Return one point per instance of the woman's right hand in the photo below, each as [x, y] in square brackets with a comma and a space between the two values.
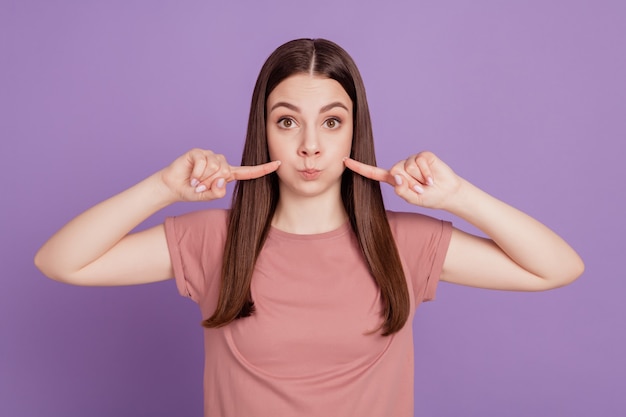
[201, 175]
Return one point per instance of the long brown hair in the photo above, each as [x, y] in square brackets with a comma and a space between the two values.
[254, 201]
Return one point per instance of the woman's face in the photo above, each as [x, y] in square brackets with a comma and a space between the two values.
[309, 129]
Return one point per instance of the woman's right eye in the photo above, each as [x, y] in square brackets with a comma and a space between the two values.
[286, 123]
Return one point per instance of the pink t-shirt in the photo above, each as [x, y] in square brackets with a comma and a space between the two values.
[308, 349]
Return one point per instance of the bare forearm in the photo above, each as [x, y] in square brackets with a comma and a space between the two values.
[97, 230]
[525, 240]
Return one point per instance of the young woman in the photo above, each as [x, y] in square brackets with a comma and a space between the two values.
[307, 285]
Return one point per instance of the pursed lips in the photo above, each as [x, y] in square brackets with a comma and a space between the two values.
[310, 174]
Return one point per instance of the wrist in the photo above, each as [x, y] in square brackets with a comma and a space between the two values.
[463, 200]
[160, 193]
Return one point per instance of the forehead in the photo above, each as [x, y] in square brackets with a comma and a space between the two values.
[307, 89]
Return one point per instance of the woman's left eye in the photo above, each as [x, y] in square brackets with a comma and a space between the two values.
[332, 123]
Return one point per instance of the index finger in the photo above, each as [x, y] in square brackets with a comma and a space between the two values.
[369, 171]
[254, 171]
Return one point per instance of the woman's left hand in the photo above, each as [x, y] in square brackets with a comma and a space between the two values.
[422, 179]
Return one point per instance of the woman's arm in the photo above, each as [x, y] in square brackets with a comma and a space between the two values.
[521, 253]
[96, 247]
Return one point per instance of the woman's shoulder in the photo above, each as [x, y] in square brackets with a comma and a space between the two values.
[199, 221]
[211, 215]
[403, 218]
[412, 228]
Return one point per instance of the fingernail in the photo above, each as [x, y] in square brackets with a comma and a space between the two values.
[398, 179]
[200, 188]
[220, 183]
[194, 182]
[430, 181]
[418, 189]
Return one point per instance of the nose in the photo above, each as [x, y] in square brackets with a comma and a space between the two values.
[310, 144]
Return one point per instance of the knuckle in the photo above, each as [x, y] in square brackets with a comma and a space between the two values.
[225, 172]
[198, 153]
[414, 171]
[212, 165]
[198, 166]
[398, 166]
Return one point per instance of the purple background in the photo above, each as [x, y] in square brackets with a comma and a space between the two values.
[526, 99]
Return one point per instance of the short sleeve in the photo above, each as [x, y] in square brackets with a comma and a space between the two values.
[423, 243]
[196, 246]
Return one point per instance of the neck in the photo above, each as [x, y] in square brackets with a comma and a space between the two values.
[307, 216]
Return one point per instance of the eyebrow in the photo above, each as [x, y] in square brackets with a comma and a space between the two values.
[297, 109]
